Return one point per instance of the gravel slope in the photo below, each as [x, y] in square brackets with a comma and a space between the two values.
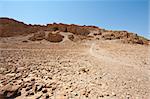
[68, 70]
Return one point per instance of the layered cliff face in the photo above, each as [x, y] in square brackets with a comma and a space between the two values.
[11, 27]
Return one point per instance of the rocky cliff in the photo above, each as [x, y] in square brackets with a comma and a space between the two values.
[10, 27]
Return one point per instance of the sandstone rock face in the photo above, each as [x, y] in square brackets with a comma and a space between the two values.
[79, 30]
[108, 36]
[115, 35]
[125, 36]
[54, 37]
[38, 36]
[120, 34]
[82, 31]
[72, 28]
[11, 27]
[60, 27]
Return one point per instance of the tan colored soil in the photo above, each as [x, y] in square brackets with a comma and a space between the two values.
[95, 69]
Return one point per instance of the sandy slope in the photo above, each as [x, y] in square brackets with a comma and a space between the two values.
[81, 70]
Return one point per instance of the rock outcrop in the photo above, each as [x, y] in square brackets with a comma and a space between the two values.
[11, 27]
[54, 37]
[71, 37]
[76, 29]
[125, 36]
[38, 36]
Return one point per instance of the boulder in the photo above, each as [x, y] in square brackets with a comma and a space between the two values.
[54, 37]
[38, 87]
[71, 37]
[44, 90]
[37, 36]
[10, 91]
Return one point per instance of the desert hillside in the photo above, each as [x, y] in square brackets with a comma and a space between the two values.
[68, 61]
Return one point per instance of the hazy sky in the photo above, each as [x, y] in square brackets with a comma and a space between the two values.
[131, 15]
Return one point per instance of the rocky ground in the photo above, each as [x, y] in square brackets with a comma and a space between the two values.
[68, 61]
[92, 69]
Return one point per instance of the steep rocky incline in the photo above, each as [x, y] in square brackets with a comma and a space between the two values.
[11, 27]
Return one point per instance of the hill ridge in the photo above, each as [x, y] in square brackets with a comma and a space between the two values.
[10, 27]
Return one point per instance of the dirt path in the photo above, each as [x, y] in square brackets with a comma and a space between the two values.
[104, 55]
[94, 70]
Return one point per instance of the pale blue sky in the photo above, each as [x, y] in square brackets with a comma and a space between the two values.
[130, 15]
